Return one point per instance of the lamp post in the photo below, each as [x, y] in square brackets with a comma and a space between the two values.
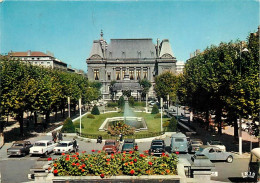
[69, 106]
[240, 140]
[80, 116]
[177, 105]
[161, 112]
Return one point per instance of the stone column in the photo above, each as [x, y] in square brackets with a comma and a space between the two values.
[135, 73]
[121, 73]
[141, 73]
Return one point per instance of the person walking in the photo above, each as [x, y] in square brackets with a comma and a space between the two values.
[54, 136]
[60, 138]
[75, 145]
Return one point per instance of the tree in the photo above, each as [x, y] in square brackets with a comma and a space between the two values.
[68, 126]
[112, 90]
[166, 83]
[146, 85]
[121, 102]
[131, 101]
[155, 109]
[95, 110]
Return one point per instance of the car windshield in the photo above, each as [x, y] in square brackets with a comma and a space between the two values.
[62, 145]
[128, 146]
[110, 143]
[39, 144]
[179, 140]
[18, 145]
[156, 146]
[216, 143]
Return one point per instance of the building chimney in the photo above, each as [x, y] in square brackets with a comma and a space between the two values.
[157, 46]
[29, 53]
[197, 51]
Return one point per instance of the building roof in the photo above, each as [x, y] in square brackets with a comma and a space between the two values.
[165, 49]
[131, 48]
[96, 51]
[28, 54]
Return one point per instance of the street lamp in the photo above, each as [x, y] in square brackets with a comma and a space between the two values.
[177, 105]
[240, 117]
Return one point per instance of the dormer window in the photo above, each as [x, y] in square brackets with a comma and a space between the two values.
[123, 54]
[110, 54]
[152, 54]
[139, 54]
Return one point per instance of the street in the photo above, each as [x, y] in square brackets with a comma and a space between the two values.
[16, 169]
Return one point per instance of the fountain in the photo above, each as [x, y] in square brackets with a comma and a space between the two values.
[129, 118]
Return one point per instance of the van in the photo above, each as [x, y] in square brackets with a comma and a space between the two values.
[179, 143]
[254, 165]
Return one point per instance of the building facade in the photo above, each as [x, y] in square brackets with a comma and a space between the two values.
[39, 59]
[127, 61]
[179, 67]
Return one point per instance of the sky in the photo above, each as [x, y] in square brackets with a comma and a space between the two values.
[68, 28]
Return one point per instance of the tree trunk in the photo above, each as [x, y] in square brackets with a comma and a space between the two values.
[56, 113]
[2, 139]
[20, 120]
[234, 120]
[218, 120]
[207, 119]
[47, 120]
[35, 118]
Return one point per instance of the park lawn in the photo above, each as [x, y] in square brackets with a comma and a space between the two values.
[91, 126]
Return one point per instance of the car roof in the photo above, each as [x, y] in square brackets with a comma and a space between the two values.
[129, 140]
[178, 135]
[110, 140]
[158, 140]
[21, 142]
[256, 152]
[43, 141]
[65, 141]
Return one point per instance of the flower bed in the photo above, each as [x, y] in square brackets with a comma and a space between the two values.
[118, 127]
[102, 164]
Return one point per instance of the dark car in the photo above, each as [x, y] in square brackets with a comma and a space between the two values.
[129, 145]
[20, 148]
[111, 146]
[194, 145]
[157, 147]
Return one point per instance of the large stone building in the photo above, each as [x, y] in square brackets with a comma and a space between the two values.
[127, 61]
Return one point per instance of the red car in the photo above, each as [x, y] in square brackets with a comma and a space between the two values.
[111, 146]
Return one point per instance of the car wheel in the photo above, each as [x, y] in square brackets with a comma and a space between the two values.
[46, 153]
[230, 159]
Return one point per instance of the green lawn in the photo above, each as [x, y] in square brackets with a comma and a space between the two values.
[91, 126]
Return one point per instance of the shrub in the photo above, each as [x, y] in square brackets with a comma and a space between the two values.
[158, 115]
[95, 110]
[112, 104]
[155, 109]
[142, 104]
[68, 126]
[91, 116]
[121, 102]
[131, 101]
[173, 124]
[77, 125]
[118, 127]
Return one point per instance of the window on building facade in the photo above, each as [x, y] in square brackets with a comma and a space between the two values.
[35, 62]
[139, 54]
[32, 58]
[138, 74]
[123, 73]
[110, 54]
[152, 54]
[38, 58]
[48, 63]
[145, 74]
[118, 75]
[109, 76]
[131, 73]
[41, 62]
[96, 74]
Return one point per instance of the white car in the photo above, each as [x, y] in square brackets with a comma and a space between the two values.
[42, 147]
[217, 143]
[63, 147]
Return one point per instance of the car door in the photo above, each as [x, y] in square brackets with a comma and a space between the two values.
[28, 145]
[211, 154]
[219, 154]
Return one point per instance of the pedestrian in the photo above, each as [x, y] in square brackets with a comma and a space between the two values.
[54, 136]
[75, 145]
[121, 137]
[60, 136]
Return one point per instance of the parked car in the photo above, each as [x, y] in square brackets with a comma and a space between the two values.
[157, 147]
[194, 145]
[111, 146]
[42, 147]
[179, 143]
[129, 145]
[215, 153]
[20, 148]
[217, 143]
[63, 147]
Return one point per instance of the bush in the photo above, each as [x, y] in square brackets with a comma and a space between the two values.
[121, 102]
[95, 110]
[155, 109]
[77, 125]
[131, 101]
[142, 104]
[112, 104]
[91, 116]
[68, 126]
[173, 124]
[158, 115]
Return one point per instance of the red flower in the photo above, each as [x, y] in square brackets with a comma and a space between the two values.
[83, 152]
[130, 152]
[177, 152]
[123, 159]
[131, 162]
[99, 152]
[112, 154]
[124, 152]
[163, 154]
[83, 170]
[102, 175]
[132, 172]
[49, 159]
[83, 165]
[62, 154]
[74, 156]
[77, 153]
[67, 159]
[108, 159]
[119, 152]
[93, 150]
[77, 164]
[124, 155]
[55, 165]
[73, 164]
[150, 163]
[55, 171]
[126, 164]
[135, 160]
[130, 157]
[141, 155]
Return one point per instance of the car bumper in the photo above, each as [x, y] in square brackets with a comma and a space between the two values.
[13, 153]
